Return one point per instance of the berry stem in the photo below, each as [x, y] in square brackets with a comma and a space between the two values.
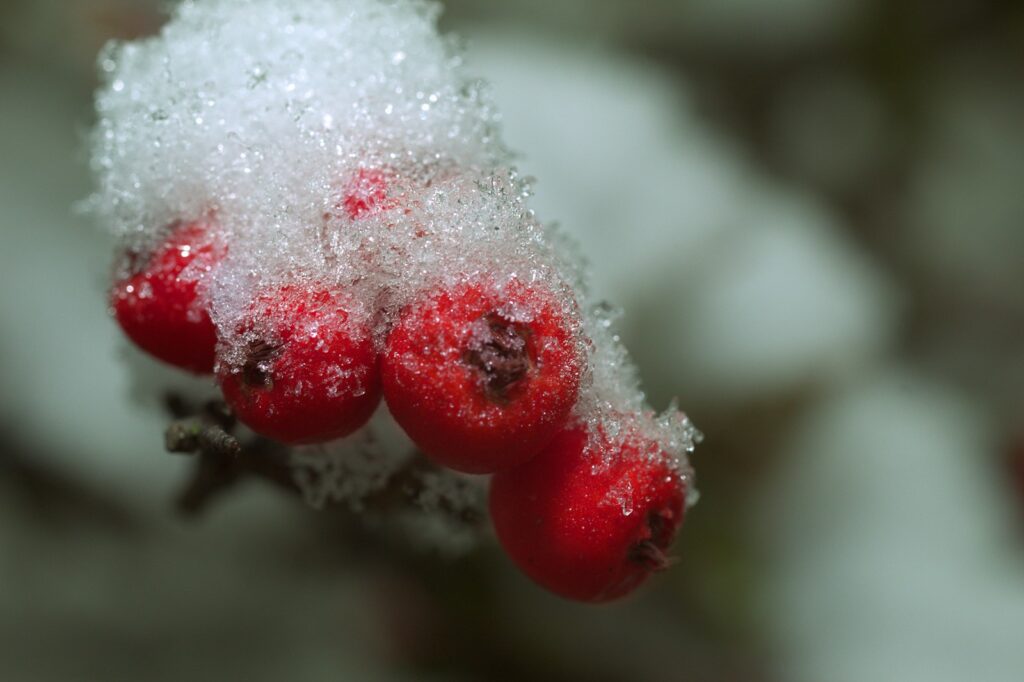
[222, 461]
[188, 436]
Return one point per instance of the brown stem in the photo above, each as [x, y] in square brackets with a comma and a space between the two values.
[222, 461]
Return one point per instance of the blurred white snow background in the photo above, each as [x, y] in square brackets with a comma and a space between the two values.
[889, 552]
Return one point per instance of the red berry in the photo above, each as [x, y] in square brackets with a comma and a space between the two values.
[309, 372]
[590, 517]
[160, 308]
[365, 191]
[482, 377]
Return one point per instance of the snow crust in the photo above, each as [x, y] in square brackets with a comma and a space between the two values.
[266, 118]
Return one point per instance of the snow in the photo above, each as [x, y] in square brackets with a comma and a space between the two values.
[262, 117]
[908, 553]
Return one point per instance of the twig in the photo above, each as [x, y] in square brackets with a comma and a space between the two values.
[222, 461]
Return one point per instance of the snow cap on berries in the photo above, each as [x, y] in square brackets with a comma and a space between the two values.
[260, 108]
[338, 143]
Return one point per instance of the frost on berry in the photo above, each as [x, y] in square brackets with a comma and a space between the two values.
[343, 149]
[483, 374]
[592, 517]
[301, 367]
[160, 299]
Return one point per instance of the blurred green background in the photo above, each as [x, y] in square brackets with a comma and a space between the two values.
[811, 212]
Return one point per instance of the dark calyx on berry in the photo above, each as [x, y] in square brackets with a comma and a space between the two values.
[259, 353]
[650, 552]
[499, 353]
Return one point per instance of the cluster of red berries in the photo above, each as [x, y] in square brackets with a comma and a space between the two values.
[482, 377]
